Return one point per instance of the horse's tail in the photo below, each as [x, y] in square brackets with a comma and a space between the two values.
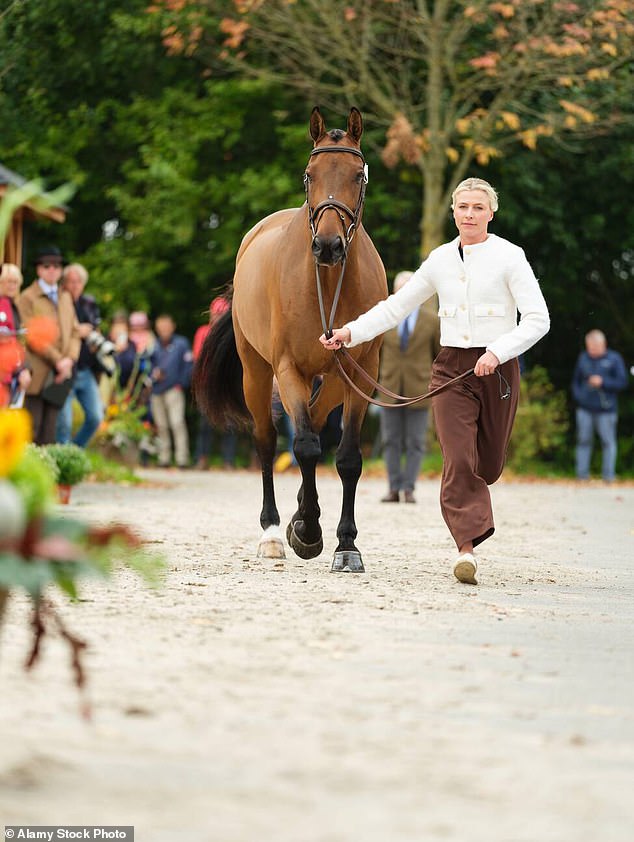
[217, 378]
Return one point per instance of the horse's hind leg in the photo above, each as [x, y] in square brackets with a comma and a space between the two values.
[258, 385]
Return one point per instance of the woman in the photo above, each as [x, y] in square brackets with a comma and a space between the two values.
[17, 377]
[482, 281]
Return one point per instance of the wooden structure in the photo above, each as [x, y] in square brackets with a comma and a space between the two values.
[14, 242]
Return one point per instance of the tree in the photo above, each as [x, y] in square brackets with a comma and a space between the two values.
[452, 82]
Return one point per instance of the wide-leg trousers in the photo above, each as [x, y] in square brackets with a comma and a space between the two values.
[474, 424]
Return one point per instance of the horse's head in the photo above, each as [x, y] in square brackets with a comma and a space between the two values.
[335, 180]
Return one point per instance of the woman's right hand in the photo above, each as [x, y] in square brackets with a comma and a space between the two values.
[340, 336]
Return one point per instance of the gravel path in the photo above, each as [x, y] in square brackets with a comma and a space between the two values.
[251, 700]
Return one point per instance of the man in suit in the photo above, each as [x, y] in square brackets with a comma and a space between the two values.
[406, 360]
[50, 361]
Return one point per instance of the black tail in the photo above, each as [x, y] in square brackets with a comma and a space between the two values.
[217, 378]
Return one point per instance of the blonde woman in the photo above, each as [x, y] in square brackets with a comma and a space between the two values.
[482, 282]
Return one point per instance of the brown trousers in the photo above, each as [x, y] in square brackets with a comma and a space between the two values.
[474, 426]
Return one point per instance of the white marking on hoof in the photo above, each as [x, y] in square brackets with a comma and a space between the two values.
[271, 544]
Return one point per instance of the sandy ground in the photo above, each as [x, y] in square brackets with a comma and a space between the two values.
[252, 700]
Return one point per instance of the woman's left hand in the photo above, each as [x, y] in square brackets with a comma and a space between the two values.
[486, 364]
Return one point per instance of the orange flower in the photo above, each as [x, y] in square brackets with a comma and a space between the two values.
[41, 333]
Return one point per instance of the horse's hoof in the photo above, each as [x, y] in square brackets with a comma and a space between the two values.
[347, 561]
[300, 548]
[273, 548]
[271, 544]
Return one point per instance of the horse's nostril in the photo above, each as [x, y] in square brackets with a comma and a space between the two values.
[316, 246]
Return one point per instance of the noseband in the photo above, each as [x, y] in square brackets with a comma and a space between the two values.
[315, 214]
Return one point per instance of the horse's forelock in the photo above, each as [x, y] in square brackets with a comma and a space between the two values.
[336, 135]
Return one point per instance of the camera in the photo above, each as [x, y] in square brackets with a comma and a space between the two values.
[103, 349]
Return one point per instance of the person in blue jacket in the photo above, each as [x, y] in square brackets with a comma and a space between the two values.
[172, 362]
[599, 376]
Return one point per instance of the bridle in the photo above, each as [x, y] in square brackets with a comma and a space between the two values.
[314, 216]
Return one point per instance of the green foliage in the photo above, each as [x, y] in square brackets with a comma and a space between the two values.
[541, 423]
[105, 470]
[72, 463]
[34, 477]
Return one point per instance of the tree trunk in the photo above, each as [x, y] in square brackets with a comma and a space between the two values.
[434, 214]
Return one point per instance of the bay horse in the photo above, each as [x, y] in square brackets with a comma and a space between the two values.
[291, 268]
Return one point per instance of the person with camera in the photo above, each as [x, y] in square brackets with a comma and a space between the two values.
[95, 356]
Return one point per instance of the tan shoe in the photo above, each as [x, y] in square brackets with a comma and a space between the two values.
[465, 569]
[409, 497]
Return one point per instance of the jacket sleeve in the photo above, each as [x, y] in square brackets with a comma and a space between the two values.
[186, 364]
[534, 320]
[616, 379]
[578, 381]
[392, 310]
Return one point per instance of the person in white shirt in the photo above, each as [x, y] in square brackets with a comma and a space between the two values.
[482, 281]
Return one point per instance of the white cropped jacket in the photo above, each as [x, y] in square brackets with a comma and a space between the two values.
[479, 298]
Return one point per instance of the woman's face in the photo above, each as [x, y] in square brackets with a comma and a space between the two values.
[10, 285]
[472, 213]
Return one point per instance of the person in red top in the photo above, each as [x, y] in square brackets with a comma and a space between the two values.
[15, 376]
[204, 439]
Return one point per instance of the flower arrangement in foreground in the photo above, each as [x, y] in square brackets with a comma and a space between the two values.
[40, 548]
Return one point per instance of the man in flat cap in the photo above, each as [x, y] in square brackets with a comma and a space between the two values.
[52, 362]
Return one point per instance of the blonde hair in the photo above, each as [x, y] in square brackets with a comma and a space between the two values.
[79, 269]
[9, 271]
[477, 184]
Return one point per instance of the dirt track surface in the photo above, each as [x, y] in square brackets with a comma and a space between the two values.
[250, 700]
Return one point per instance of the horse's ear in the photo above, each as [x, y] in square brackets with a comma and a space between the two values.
[317, 125]
[355, 124]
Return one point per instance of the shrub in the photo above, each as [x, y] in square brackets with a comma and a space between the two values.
[541, 423]
[72, 463]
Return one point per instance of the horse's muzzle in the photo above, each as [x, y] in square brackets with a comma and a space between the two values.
[328, 251]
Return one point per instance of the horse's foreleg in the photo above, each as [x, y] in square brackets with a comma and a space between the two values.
[258, 381]
[304, 531]
[348, 459]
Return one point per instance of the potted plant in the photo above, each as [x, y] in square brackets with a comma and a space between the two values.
[40, 549]
[72, 466]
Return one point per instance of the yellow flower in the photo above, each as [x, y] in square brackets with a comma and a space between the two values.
[15, 434]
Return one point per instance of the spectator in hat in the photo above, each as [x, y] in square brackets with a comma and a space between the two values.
[140, 332]
[51, 362]
[205, 436]
[172, 362]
